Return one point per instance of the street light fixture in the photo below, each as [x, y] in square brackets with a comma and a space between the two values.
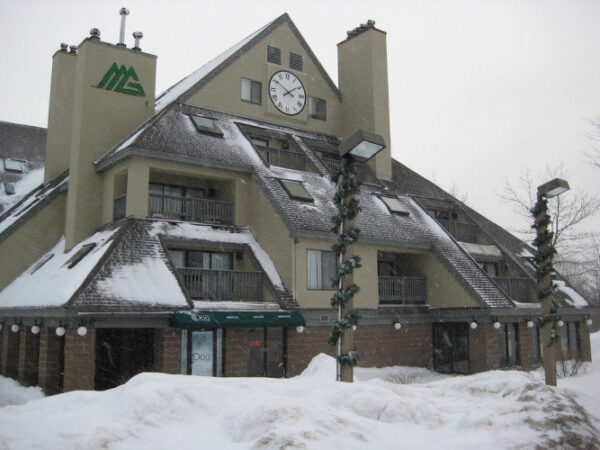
[361, 146]
[545, 254]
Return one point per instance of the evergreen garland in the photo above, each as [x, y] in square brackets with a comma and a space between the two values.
[544, 267]
[348, 208]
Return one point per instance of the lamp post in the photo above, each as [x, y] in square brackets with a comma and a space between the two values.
[361, 146]
[545, 254]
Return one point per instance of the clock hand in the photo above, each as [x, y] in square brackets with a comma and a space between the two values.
[286, 91]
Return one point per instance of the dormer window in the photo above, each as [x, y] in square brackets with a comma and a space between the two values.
[14, 165]
[296, 190]
[296, 62]
[395, 206]
[274, 55]
[206, 125]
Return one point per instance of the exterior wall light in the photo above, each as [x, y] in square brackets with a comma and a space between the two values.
[362, 145]
[497, 325]
[530, 324]
[397, 325]
[354, 327]
[60, 331]
[15, 328]
[35, 329]
[473, 325]
[82, 331]
[299, 329]
[588, 322]
[560, 323]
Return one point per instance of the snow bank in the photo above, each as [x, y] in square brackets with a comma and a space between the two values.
[12, 393]
[500, 409]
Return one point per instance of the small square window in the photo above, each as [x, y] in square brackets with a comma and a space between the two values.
[317, 108]
[296, 62]
[321, 269]
[395, 206]
[274, 55]
[79, 255]
[9, 188]
[206, 125]
[251, 91]
[14, 165]
[296, 190]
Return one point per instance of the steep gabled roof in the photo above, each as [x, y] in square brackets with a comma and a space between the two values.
[187, 87]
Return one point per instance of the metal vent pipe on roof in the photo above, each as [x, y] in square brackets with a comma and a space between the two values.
[137, 35]
[124, 13]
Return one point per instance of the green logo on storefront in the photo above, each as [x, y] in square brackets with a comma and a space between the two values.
[119, 79]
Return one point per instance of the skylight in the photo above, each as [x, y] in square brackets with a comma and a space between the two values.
[395, 206]
[79, 255]
[296, 190]
[14, 165]
[206, 125]
[41, 262]
[9, 188]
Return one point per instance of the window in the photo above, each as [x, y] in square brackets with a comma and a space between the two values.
[274, 55]
[202, 352]
[536, 347]
[251, 91]
[260, 141]
[508, 340]
[296, 190]
[9, 188]
[79, 255]
[569, 339]
[395, 206]
[206, 125]
[491, 268]
[321, 269]
[205, 274]
[296, 62]
[266, 352]
[317, 108]
[14, 165]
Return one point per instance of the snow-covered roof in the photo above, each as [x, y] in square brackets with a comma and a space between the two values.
[23, 186]
[50, 281]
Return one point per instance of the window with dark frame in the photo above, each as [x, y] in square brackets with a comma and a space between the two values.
[206, 125]
[274, 55]
[321, 269]
[394, 206]
[317, 108]
[296, 190]
[251, 91]
[508, 340]
[296, 62]
[14, 165]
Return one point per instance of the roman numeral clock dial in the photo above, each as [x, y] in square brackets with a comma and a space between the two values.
[287, 93]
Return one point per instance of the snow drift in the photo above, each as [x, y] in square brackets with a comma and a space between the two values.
[500, 409]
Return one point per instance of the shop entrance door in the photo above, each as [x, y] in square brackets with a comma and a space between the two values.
[266, 352]
[451, 347]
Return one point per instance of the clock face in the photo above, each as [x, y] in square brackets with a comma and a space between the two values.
[287, 93]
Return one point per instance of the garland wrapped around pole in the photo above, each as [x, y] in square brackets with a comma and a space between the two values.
[543, 258]
[347, 235]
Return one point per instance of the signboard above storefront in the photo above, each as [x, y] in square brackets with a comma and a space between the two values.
[224, 319]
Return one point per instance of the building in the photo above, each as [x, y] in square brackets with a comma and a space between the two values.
[190, 232]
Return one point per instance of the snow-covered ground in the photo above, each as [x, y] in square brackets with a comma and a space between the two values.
[386, 408]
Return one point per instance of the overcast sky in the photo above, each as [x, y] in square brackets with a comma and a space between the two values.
[479, 90]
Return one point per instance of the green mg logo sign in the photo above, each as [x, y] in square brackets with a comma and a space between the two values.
[120, 79]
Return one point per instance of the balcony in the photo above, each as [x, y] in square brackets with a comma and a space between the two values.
[519, 289]
[402, 291]
[282, 158]
[462, 232]
[210, 284]
[191, 209]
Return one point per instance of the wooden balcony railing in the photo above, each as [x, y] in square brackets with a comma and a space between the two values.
[402, 291]
[119, 207]
[462, 232]
[519, 289]
[210, 284]
[191, 209]
[283, 158]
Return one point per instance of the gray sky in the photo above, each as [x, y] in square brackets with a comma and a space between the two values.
[478, 89]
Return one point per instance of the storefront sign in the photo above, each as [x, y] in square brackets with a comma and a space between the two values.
[223, 319]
